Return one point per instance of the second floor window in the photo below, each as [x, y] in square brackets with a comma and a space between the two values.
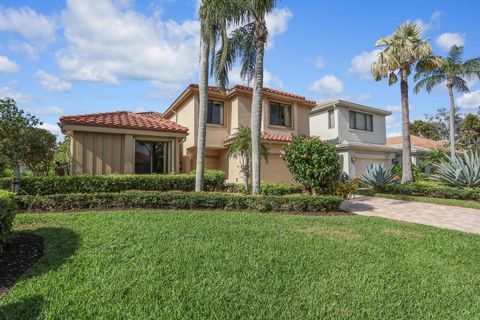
[331, 119]
[280, 114]
[215, 112]
[361, 121]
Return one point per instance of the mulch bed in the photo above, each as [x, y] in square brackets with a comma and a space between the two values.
[21, 252]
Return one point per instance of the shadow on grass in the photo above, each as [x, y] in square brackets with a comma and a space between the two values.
[29, 308]
[59, 244]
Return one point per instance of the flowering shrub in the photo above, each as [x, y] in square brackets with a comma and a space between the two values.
[313, 163]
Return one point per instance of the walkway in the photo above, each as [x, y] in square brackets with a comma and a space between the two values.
[455, 218]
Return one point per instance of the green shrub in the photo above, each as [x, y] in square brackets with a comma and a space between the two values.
[434, 189]
[214, 181]
[313, 163]
[378, 177]
[178, 200]
[460, 171]
[344, 189]
[7, 214]
[416, 171]
[274, 189]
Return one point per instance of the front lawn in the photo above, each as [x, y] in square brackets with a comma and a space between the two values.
[223, 265]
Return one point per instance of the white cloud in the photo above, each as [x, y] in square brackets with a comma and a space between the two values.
[434, 21]
[394, 134]
[50, 82]
[9, 92]
[392, 122]
[362, 63]
[53, 128]
[469, 100]
[395, 108]
[364, 96]
[7, 65]
[269, 80]
[28, 23]
[277, 23]
[446, 40]
[328, 85]
[319, 62]
[46, 111]
[106, 43]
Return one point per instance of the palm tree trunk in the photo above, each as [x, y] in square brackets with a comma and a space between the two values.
[452, 122]
[256, 118]
[406, 146]
[202, 114]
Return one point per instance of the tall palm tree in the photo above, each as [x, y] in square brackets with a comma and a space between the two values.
[215, 15]
[403, 51]
[241, 149]
[454, 72]
[248, 41]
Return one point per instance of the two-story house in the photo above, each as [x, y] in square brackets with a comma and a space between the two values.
[358, 131]
[283, 115]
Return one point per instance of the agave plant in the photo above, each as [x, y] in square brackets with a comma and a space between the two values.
[378, 177]
[460, 171]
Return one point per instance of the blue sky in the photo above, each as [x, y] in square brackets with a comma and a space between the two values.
[82, 56]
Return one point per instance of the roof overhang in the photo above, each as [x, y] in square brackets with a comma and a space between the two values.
[366, 147]
[326, 105]
[68, 128]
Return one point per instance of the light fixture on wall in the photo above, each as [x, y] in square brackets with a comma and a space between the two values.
[352, 159]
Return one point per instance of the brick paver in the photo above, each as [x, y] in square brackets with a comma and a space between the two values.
[449, 217]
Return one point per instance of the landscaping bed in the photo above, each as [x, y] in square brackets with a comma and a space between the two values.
[154, 264]
[22, 251]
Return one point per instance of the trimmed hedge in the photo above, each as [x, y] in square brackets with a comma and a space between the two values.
[178, 200]
[48, 185]
[268, 189]
[7, 214]
[434, 190]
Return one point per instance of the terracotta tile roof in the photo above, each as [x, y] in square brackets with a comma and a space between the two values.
[270, 137]
[418, 142]
[126, 120]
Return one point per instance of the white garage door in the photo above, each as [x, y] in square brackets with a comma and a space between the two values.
[361, 164]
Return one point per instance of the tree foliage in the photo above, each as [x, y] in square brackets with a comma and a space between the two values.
[40, 152]
[424, 129]
[241, 149]
[313, 163]
[62, 154]
[470, 131]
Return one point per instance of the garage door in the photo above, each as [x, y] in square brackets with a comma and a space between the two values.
[362, 164]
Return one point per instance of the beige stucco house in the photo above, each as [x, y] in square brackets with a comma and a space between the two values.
[149, 142]
[358, 131]
[284, 115]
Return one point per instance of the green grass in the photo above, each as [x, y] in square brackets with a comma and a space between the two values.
[448, 202]
[197, 265]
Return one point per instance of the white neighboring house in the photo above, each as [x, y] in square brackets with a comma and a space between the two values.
[358, 131]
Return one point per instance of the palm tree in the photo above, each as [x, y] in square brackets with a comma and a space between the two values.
[403, 51]
[248, 41]
[215, 15]
[241, 149]
[454, 72]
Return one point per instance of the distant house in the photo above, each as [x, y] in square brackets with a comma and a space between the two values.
[420, 146]
[358, 131]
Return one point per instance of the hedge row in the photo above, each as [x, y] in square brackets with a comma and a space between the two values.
[268, 189]
[7, 214]
[48, 185]
[178, 200]
[434, 190]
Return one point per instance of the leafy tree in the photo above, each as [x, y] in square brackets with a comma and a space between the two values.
[241, 149]
[62, 154]
[15, 126]
[40, 152]
[424, 129]
[470, 135]
[432, 159]
[454, 72]
[441, 121]
[404, 51]
[313, 163]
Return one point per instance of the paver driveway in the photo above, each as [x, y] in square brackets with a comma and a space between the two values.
[449, 217]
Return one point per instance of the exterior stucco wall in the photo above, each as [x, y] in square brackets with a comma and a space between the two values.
[319, 125]
[378, 136]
